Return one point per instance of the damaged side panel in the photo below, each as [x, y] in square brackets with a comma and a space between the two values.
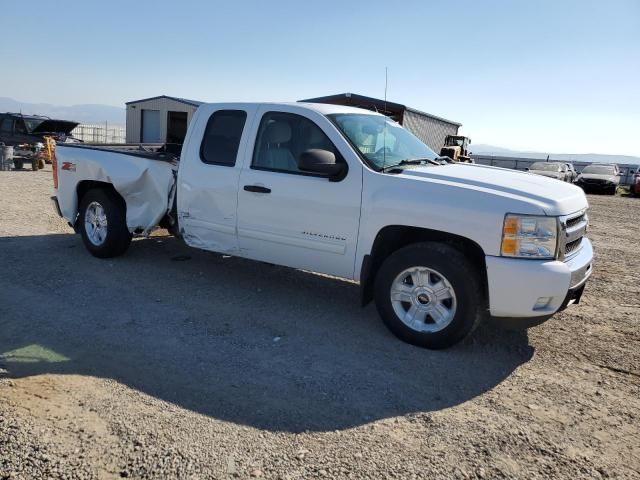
[146, 185]
[207, 216]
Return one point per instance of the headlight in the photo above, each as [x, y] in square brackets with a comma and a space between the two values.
[528, 236]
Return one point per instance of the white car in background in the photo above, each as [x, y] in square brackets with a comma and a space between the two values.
[556, 170]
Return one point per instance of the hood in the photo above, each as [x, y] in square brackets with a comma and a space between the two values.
[551, 196]
[55, 126]
[598, 176]
[547, 174]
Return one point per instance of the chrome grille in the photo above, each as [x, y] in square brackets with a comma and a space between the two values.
[571, 246]
[573, 229]
[574, 221]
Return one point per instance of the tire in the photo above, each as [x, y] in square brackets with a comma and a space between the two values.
[18, 164]
[41, 163]
[34, 164]
[444, 266]
[97, 207]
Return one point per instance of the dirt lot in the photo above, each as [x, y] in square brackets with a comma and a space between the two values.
[171, 362]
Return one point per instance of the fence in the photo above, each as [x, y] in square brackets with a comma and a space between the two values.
[518, 163]
[99, 133]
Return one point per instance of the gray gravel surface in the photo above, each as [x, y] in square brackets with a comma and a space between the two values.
[172, 362]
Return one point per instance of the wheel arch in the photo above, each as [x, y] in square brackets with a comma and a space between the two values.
[393, 237]
[85, 185]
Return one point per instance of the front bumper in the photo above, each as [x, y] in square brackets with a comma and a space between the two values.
[597, 187]
[536, 289]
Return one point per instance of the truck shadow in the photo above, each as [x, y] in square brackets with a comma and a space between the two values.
[240, 341]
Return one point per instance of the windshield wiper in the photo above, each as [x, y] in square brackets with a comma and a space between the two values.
[412, 161]
[440, 160]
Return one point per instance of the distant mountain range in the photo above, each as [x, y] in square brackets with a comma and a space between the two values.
[482, 149]
[89, 113]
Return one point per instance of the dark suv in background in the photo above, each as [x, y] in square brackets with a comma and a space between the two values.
[600, 177]
[26, 133]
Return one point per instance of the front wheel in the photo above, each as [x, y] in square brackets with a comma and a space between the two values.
[102, 222]
[429, 294]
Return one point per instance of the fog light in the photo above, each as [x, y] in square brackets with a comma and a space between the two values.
[542, 303]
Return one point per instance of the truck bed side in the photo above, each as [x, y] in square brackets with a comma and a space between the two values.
[145, 180]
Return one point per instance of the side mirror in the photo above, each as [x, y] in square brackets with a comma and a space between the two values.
[319, 161]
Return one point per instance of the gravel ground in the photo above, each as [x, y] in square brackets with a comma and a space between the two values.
[172, 362]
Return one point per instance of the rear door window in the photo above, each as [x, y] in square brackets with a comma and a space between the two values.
[19, 126]
[222, 136]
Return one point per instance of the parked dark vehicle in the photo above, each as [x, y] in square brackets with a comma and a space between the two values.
[599, 177]
[635, 184]
[26, 133]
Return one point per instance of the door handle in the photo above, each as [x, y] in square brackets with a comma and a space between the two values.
[257, 189]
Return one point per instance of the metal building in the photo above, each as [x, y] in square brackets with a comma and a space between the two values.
[430, 129]
[159, 119]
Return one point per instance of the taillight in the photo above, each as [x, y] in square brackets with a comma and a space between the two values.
[54, 169]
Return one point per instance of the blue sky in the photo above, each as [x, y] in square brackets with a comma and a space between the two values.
[549, 75]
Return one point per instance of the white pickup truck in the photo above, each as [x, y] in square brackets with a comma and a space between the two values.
[349, 193]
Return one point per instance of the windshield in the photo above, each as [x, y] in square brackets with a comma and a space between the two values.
[599, 169]
[545, 167]
[380, 140]
[32, 123]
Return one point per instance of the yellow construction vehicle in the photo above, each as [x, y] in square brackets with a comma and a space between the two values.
[456, 147]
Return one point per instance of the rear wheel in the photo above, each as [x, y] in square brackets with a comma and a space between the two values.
[429, 294]
[18, 164]
[102, 222]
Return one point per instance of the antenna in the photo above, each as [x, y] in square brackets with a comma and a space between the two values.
[386, 83]
[384, 135]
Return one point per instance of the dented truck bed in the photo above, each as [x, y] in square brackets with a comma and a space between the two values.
[143, 174]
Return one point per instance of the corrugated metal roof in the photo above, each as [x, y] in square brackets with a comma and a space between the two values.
[376, 101]
[435, 117]
[195, 103]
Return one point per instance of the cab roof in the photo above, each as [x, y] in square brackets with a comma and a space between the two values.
[322, 108]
